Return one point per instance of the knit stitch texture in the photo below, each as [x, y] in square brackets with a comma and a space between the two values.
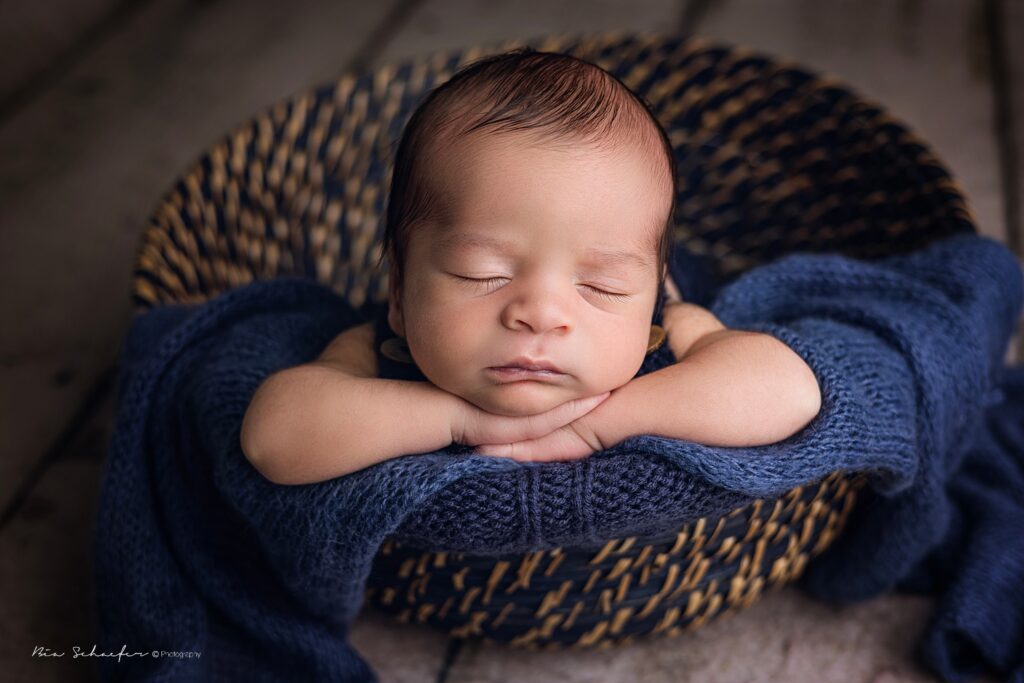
[195, 550]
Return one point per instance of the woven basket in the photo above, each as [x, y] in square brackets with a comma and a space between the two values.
[771, 158]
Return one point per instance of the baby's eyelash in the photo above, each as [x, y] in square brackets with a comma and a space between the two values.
[611, 296]
[482, 281]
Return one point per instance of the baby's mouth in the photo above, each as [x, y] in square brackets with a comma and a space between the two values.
[518, 373]
[531, 364]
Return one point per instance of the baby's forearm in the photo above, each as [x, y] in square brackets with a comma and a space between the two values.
[311, 423]
[741, 389]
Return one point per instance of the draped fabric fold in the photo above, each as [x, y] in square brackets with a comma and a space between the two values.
[197, 551]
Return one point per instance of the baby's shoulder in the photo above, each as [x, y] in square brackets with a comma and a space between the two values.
[352, 351]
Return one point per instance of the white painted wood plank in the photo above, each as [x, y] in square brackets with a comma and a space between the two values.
[86, 162]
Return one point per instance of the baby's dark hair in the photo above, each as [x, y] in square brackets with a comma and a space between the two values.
[553, 95]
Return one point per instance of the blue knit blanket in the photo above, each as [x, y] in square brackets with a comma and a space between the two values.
[195, 551]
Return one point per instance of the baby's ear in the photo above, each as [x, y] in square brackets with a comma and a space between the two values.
[671, 289]
[395, 319]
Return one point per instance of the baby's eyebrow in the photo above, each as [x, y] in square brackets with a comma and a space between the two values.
[618, 258]
[603, 257]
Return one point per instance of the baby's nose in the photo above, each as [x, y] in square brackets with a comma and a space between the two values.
[543, 312]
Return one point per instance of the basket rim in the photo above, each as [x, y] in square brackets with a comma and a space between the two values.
[352, 78]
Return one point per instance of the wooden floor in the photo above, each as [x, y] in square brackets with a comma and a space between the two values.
[103, 103]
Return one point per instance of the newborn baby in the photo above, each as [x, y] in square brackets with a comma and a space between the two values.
[528, 234]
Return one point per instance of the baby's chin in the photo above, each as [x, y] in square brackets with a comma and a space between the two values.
[517, 399]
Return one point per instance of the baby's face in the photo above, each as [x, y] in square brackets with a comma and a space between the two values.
[548, 255]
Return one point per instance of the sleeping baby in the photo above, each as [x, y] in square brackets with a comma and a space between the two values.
[528, 233]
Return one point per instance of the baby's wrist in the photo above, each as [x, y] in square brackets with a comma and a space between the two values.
[612, 421]
[456, 412]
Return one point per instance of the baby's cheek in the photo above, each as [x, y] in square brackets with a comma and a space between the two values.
[622, 357]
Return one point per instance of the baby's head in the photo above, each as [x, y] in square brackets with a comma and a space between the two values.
[529, 218]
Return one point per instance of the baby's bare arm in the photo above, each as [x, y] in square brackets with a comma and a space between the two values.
[728, 388]
[334, 416]
[328, 418]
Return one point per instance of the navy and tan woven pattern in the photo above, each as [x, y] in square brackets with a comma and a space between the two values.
[772, 160]
[627, 587]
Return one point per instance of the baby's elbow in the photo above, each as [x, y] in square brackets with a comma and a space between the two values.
[791, 417]
[261, 430]
[812, 403]
[804, 392]
[273, 474]
[806, 401]
[272, 456]
[811, 394]
[256, 451]
[797, 396]
[269, 465]
[814, 400]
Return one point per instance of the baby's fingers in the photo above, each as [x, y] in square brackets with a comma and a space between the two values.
[561, 415]
[559, 445]
[498, 450]
[482, 427]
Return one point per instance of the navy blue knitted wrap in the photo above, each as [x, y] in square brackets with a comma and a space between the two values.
[196, 551]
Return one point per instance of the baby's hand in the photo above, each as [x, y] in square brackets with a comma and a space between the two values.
[558, 434]
[573, 441]
[686, 324]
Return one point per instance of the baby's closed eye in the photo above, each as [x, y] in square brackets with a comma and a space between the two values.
[493, 283]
